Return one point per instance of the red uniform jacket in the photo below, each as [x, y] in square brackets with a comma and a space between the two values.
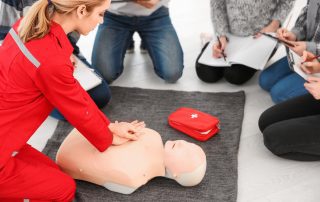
[31, 88]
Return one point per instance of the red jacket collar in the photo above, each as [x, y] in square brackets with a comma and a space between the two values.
[62, 38]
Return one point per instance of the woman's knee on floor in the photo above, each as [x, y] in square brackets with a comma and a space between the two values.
[238, 74]
[264, 80]
[274, 140]
[285, 90]
[170, 75]
[209, 74]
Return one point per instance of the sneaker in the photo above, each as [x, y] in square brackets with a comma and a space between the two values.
[130, 48]
[143, 48]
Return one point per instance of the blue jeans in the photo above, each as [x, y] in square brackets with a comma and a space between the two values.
[281, 81]
[101, 94]
[157, 33]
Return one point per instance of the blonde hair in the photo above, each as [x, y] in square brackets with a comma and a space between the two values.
[36, 23]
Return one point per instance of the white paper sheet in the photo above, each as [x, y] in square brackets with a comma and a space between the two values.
[248, 51]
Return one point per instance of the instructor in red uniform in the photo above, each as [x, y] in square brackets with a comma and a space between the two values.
[36, 75]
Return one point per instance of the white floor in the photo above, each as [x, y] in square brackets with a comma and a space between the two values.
[262, 176]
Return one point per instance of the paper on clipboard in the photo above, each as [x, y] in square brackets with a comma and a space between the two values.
[294, 61]
[85, 75]
[248, 51]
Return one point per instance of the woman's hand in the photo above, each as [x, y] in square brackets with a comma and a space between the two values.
[272, 27]
[299, 47]
[219, 47]
[147, 3]
[124, 131]
[309, 65]
[286, 35]
[313, 86]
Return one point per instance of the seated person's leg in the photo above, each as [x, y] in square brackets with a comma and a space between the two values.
[290, 129]
[111, 42]
[238, 74]
[163, 45]
[207, 73]
[296, 139]
[275, 72]
[288, 87]
[304, 105]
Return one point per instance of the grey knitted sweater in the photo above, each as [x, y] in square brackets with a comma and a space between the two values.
[307, 27]
[246, 17]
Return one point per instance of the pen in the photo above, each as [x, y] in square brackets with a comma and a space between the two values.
[224, 56]
[276, 38]
[310, 59]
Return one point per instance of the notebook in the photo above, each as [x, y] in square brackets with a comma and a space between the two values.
[248, 51]
[294, 61]
[85, 75]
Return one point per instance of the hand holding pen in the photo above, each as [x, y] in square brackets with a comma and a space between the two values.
[219, 47]
[286, 35]
[309, 63]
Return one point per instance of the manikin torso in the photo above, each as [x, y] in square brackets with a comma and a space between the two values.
[121, 168]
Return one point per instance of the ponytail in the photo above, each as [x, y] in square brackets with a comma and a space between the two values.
[36, 24]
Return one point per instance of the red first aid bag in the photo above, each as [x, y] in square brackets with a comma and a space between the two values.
[199, 125]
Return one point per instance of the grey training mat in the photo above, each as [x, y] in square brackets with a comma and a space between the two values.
[154, 106]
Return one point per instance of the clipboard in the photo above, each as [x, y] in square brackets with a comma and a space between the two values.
[286, 43]
[294, 61]
[86, 76]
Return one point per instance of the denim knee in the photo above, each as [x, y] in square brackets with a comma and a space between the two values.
[276, 95]
[264, 81]
[170, 71]
[171, 76]
[281, 92]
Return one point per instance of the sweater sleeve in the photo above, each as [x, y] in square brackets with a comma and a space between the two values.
[219, 17]
[282, 10]
[313, 47]
[300, 27]
[63, 91]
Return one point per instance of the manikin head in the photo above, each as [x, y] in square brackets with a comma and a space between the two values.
[185, 162]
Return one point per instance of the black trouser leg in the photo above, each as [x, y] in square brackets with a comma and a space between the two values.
[291, 129]
[209, 74]
[238, 74]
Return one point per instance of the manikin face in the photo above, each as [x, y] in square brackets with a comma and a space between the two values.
[90, 20]
[183, 157]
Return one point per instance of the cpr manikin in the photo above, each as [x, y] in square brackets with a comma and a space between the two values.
[126, 167]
